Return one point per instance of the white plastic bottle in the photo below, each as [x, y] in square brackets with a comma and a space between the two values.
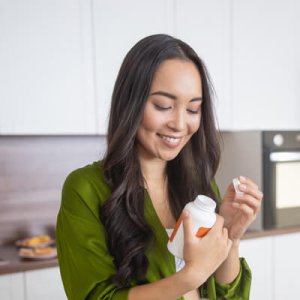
[203, 217]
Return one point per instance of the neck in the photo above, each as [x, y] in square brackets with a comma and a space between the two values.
[153, 170]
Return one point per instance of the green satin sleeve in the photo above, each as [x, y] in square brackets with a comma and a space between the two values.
[215, 188]
[84, 261]
[239, 289]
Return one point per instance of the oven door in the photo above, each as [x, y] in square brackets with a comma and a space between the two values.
[282, 187]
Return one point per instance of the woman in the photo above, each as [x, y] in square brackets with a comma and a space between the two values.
[162, 152]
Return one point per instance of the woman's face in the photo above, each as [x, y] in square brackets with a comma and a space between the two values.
[173, 110]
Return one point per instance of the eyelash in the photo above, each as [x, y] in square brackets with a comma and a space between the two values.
[161, 108]
[194, 112]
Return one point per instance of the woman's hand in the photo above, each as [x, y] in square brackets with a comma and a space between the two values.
[203, 256]
[240, 209]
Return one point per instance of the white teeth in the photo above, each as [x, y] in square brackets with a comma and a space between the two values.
[170, 140]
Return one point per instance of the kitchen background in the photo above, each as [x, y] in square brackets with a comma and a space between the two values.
[59, 59]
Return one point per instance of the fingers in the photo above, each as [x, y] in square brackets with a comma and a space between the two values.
[248, 182]
[223, 231]
[247, 206]
[248, 186]
[217, 234]
[217, 229]
[251, 195]
[219, 224]
[204, 255]
[249, 200]
[248, 211]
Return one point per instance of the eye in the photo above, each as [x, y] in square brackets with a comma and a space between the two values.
[161, 108]
[194, 111]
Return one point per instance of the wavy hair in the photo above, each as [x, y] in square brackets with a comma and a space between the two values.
[189, 174]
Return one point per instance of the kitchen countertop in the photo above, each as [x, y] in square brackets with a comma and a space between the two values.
[271, 232]
[13, 263]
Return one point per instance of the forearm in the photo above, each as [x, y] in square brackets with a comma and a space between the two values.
[169, 288]
[230, 268]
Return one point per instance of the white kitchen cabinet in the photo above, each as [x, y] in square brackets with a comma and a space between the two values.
[286, 266]
[206, 26]
[46, 69]
[59, 59]
[266, 64]
[118, 25]
[44, 284]
[12, 287]
[259, 255]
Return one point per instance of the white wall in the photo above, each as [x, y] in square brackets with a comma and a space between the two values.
[59, 59]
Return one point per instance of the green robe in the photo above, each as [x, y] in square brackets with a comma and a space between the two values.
[84, 260]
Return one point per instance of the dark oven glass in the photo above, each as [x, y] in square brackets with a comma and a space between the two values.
[281, 179]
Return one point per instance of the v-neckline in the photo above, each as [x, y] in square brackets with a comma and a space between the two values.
[154, 214]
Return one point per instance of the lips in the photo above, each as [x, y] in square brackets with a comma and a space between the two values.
[171, 140]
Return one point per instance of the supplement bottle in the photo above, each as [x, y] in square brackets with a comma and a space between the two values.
[203, 217]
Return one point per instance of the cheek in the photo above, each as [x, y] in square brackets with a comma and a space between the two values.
[194, 125]
[151, 121]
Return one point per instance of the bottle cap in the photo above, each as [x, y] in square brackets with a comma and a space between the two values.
[236, 183]
[205, 203]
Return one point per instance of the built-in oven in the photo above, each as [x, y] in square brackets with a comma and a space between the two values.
[272, 160]
[281, 178]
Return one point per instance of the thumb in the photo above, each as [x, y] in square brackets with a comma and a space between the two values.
[187, 226]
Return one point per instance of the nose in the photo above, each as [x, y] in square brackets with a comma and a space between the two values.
[177, 121]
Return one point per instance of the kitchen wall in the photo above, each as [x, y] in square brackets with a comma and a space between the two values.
[59, 59]
[58, 63]
[32, 172]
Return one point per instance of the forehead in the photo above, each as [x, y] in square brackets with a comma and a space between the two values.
[177, 75]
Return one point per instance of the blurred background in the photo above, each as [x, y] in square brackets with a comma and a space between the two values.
[59, 59]
[58, 63]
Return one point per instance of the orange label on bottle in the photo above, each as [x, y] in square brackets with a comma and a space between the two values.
[176, 227]
[202, 231]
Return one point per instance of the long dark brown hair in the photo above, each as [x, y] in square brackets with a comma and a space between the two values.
[189, 174]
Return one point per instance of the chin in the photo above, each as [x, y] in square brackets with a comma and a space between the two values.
[169, 157]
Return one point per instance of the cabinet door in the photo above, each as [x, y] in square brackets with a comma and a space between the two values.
[44, 284]
[12, 287]
[205, 25]
[286, 266]
[46, 67]
[259, 256]
[118, 25]
[266, 64]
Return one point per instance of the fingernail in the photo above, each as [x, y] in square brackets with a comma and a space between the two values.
[242, 178]
[242, 187]
[186, 213]
[240, 194]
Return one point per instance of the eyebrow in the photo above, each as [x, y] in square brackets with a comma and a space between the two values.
[173, 97]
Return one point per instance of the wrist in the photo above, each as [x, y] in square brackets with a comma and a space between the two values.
[234, 251]
[230, 267]
[235, 243]
[192, 277]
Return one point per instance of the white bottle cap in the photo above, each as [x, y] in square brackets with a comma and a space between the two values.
[205, 203]
[236, 183]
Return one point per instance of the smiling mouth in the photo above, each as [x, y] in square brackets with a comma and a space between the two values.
[171, 140]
